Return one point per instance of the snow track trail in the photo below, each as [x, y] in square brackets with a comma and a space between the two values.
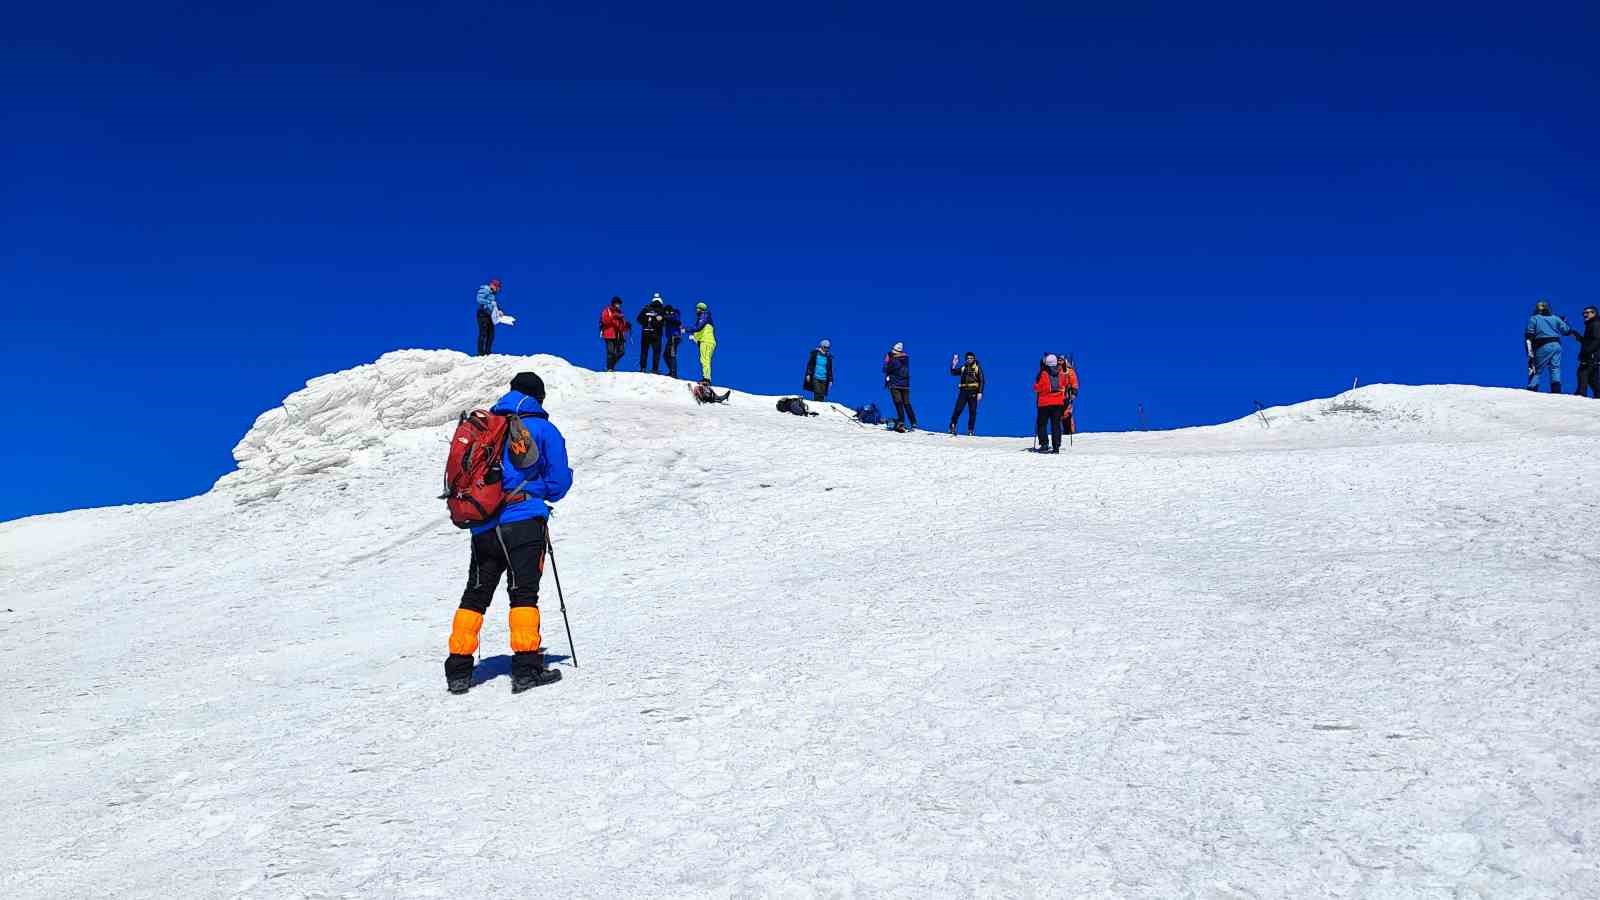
[1352, 652]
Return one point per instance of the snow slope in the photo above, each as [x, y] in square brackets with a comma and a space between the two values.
[1348, 652]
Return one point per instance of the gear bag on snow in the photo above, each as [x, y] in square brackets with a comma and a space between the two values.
[474, 489]
[868, 415]
[794, 405]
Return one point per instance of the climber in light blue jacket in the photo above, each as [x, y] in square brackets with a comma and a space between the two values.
[1543, 340]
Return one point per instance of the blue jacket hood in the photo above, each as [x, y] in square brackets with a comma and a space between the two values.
[519, 404]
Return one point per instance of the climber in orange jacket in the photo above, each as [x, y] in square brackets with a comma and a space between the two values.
[1055, 387]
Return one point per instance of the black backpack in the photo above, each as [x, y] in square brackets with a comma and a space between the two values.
[794, 405]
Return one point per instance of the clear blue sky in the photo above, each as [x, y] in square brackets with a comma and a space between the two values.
[1210, 204]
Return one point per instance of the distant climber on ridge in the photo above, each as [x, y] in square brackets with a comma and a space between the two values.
[1543, 340]
[652, 320]
[704, 333]
[532, 472]
[614, 331]
[1068, 425]
[1051, 388]
[488, 305]
[1589, 353]
[819, 371]
[969, 390]
[672, 330]
[897, 378]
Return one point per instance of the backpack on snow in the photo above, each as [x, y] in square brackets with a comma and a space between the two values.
[796, 406]
[474, 490]
[868, 415]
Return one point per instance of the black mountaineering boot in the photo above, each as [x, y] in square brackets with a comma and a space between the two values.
[458, 673]
[528, 671]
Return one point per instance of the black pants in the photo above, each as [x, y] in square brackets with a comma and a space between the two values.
[648, 342]
[969, 400]
[902, 406]
[672, 354]
[1049, 416]
[819, 392]
[517, 551]
[614, 350]
[1589, 378]
[485, 333]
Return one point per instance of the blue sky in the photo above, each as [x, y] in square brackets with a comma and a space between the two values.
[205, 207]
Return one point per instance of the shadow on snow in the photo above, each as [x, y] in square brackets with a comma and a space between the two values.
[491, 667]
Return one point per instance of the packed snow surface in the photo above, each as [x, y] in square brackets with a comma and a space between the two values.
[1348, 650]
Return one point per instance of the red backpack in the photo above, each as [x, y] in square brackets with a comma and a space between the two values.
[473, 488]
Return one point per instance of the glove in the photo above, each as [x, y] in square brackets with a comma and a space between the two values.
[980, 398]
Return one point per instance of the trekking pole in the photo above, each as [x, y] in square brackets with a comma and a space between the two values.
[554, 570]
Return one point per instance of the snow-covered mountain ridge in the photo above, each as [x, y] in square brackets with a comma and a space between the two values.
[335, 417]
[1347, 651]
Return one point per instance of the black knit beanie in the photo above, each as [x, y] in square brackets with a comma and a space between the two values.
[530, 384]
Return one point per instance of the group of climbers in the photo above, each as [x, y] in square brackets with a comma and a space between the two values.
[660, 325]
[1056, 388]
[661, 331]
[1542, 340]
